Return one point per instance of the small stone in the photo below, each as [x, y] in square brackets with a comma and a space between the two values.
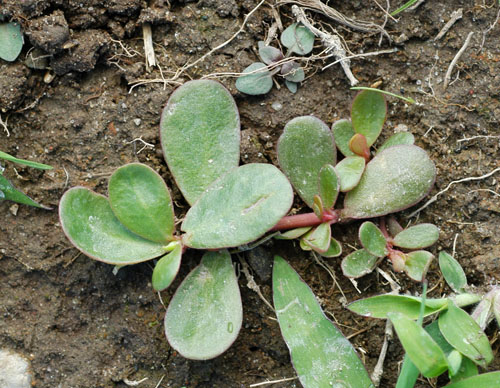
[15, 371]
[137, 121]
[401, 128]
[13, 209]
[277, 106]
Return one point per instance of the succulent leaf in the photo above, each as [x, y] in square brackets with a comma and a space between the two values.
[334, 250]
[260, 81]
[166, 269]
[417, 263]
[373, 239]
[328, 185]
[319, 237]
[417, 236]
[358, 263]
[269, 54]
[298, 39]
[452, 272]
[399, 138]
[293, 233]
[11, 41]
[368, 113]
[343, 133]
[359, 146]
[292, 86]
[349, 170]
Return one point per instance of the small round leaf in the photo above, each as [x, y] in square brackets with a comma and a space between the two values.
[319, 238]
[260, 81]
[334, 250]
[349, 171]
[11, 41]
[368, 113]
[298, 39]
[373, 239]
[269, 54]
[358, 263]
[416, 237]
[417, 263]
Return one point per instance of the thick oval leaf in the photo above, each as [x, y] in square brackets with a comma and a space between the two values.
[359, 146]
[373, 239]
[92, 227]
[200, 135]
[467, 369]
[10, 193]
[256, 79]
[334, 250]
[417, 263]
[238, 208]
[343, 133]
[292, 86]
[423, 351]
[319, 238]
[486, 380]
[292, 72]
[321, 355]
[465, 335]
[395, 179]
[379, 306]
[417, 237]
[293, 233]
[397, 139]
[452, 272]
[328, 186]
[140, 200]
[11, 41]
[368, 113]
[358, 263]
[298, 39]
[269, 54]
[349, 171]
[29, 163]
[166, 269]
[305, 146]
[204, 317]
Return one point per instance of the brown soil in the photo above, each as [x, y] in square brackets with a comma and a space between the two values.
[82, 326]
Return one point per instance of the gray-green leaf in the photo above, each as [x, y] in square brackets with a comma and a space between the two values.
[358, 263]
[373, 239]
[11, 41]
[343, 133]
[319, 238]
[349, 170]
[397, 139]
[298, 39]
[256, 79]
[368, 113]
[417, 263]
[204, 317]
[416, 237]
[452, 272]
[166, 269]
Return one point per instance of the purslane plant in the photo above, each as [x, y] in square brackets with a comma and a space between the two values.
[231, 206]
[11, 40]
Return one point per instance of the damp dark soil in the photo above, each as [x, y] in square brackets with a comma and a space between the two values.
[81, 325]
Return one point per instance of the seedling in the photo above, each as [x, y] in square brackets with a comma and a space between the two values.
[7, 189]
[11, 41]
[258, 77]
[379, 243]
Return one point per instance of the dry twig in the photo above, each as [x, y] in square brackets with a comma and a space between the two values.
[4, 125]
[455, 15]
[149, 52]
[447, 77]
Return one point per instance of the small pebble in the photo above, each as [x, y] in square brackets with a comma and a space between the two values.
[137, 122]
[13, 209]
[277, 106]
[14, 370]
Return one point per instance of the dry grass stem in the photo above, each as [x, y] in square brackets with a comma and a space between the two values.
[251, 282]
[478, 137]
[273, 382]
[447, 77]
[4, 126]
[149, 51]
[455, 15]
[379, 367]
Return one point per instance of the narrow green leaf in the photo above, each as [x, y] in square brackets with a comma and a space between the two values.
[328, 186]
[486, 380]
[467, 369]
[10, 193]
[321, 355]
[496, 307]
[452, 272]
[423, 351]
[92, 227]
[256, 79]
[417, 263]
[204, 316]
[292, 86]
[368, 113]
[318, 206]
[293, 233]
[334, 250]
[305, 146]
[465, 335]
[298, 39]
[358, 263]
[417, 237]
[373, 239]
[319, 238]
[395, 179]
[166, 269]
[397, 139]
[349, 171]
[269, 54]
[343, 133]
[379, 306]
[11, 41]
[141, 201]
[200, 135]
[29, 163]
[454, 362]
[408, 375]
[406, 99]
[435, 333]
[238, 208]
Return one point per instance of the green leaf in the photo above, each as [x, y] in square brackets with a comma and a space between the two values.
[293, 233]
[204, 316]
[358, 263]
[269, 54]
[328, 185]
[467, 369]
[92, 227]
[319, 238]
[292, 72]
[166, 268]
[452, 272]
[465, 335]
[238, 208]
[292, 86]
[29, 163]
[423, 351]
[359, 146]
[435, 333]
[349, 171]
[318, 206]
[200, 135]
[397, 139]
[298, 39]
[394, 180]
[10, 193]
[11, 41]
[417, 263]
[343, 133]
[379, 306]
[321, 355]
[305, 146]
[408, 375]
[256, 79]
[454, 362]
[416, 237]
[334, 250]
[496, 307]
[368, 113]
[485, 380]
[140, 200]
[373, 239]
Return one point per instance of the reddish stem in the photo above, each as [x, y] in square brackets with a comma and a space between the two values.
[306, 219]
